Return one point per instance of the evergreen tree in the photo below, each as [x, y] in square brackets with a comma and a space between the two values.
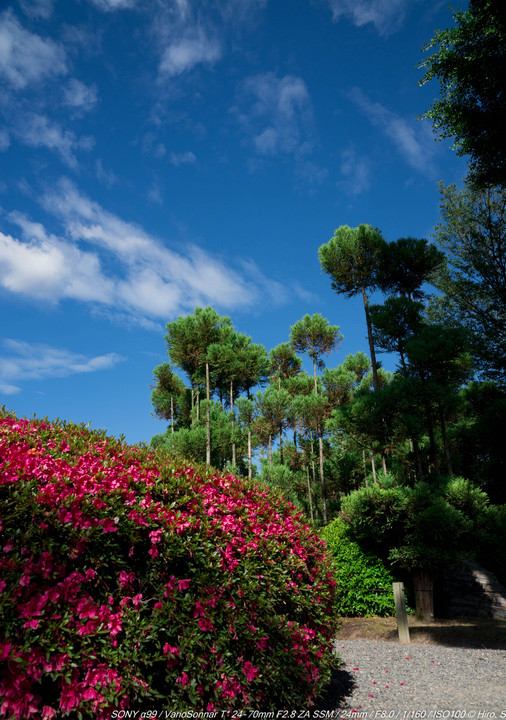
[352, 259]
[469, 62]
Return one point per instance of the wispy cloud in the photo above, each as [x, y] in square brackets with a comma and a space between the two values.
[37, 8]
[109, 5]
[387, 16]
[412, 141]
[148, 279]
[356, 172]
[25, 57]
[5, 140]
[184, 53]
[276, 113]
[185, 158]
[77, 95]
[35, 361]
[104, 176]
[36, 130]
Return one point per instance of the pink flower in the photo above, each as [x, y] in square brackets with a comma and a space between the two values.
[155, 536]
[169, 650]
[48, 713]
[183, 585]
[32, 624]
[136, 600]
[250, 671]
[183, 679]
[126, 578]
[198, 610]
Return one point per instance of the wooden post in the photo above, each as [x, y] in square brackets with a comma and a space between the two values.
[400, 612]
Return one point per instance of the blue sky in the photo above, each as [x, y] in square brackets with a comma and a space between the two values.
[158, 155]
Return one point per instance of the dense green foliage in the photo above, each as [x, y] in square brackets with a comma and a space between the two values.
[472, 234]
[469, 62]
[364, 584]
[133, 580]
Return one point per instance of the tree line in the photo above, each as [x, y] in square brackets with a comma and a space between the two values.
[414, 460]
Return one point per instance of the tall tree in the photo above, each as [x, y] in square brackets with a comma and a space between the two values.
[188, 339]
[183, 350]
[469, 62]
[406, 264]
[314, 336]
[352, 259]
[283, 363]
[246, 410]
[394, 322]
[274, 406]
[169, 387]
[472, 233]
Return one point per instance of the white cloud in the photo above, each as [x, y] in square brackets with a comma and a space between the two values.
[36, 361]
[37, 8]
[186, 52]
[78, 95]
[387, 16]
[147, 280]
[185, 158]
[105, 177]
[27, 58]
[411, 140]
[45, 267]
[5, 140]
[154, 194]
[39, 131]
[277, 114]
[109, 5]
[356, 171]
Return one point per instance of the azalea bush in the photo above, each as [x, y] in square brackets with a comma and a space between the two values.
[364, 583]
[128, 580]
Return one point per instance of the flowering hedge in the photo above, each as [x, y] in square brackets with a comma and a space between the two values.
[129, 581]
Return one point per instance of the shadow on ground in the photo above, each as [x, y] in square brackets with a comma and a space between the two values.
[460, 632]
[341, 686]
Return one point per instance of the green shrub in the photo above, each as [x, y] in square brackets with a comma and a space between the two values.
[128, 580]
[492, 541]
[364, 584]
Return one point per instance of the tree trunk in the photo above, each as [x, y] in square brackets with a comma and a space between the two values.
[418, 460]
[250, 469]
[432, 440]
[365, 467]
[322, 481]
[373, 468]
[374, 364]
[423, 584]
[309, 496]
[281, 444]
[384, 462]
[208, 418]
[442, 422]
[270, 451]
[233, 421]
[172, 419]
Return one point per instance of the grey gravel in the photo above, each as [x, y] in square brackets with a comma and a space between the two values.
[385, 680]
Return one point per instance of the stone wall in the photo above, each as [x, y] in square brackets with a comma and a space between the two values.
[471, 591]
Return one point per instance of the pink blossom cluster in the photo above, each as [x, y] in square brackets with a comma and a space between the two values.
[123, 557]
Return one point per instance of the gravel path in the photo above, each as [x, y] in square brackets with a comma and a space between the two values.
[386, 680]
